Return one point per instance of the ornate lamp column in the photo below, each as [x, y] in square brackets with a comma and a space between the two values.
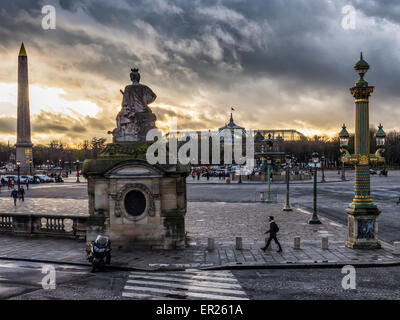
[314, 219]
[270, 144]
[362, 212]
[288, 159]
[77, 171]
[323, 168]
[344, 141]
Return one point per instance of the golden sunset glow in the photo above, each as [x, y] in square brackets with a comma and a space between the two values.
[232, 58]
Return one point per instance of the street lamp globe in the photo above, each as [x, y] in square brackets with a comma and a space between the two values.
[344, 137]
[269, 160]
[380, 136]
[361, 66]
[18, 163]
[288, 159]
[315, 157]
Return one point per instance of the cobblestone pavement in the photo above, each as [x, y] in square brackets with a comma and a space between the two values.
[52, 191]
[223, 222]
[61, 206]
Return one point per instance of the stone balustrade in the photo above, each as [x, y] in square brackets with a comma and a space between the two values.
[47, 225]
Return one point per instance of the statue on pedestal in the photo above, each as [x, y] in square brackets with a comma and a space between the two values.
[135, 118]
[126, 193]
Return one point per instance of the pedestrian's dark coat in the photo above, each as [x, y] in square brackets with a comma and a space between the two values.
[273, 228]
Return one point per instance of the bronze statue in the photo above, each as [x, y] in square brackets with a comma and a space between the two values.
[135, 118]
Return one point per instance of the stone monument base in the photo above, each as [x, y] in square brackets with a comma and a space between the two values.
[134, 203]
[137, 129]
[363, 227]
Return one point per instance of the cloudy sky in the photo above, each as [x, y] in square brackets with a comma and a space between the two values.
[281, 64]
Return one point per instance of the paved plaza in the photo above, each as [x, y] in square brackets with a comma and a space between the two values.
[222, 221]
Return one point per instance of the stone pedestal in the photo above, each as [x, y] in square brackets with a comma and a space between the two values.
[135, 130]
[134, 203]
[24, 155]
[363, 228]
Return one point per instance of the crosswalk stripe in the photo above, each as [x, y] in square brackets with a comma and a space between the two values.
[213, 273]
[182, 285]
[144, 296]
[188, 287]
[207, 277]
[193, 273]
[185, 294]
[197, 282]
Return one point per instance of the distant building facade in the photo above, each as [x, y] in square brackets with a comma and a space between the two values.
[262, 139]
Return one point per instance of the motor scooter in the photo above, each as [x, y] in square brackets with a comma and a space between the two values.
[99, 252]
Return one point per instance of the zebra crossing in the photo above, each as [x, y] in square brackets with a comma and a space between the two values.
[188, 285]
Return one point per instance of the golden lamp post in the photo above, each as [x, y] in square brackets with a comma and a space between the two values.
[362, 213]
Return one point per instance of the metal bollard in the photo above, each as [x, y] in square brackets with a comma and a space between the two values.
[396, 247]
[211, 244]
[296, 243]
[239, 243]
[325, 243]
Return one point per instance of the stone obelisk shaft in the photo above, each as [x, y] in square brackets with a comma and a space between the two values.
[24, 144]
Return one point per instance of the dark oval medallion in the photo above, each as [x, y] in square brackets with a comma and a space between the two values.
[135, 203]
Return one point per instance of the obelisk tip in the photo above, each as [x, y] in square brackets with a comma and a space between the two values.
[22, 51]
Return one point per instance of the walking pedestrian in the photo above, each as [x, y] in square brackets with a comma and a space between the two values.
[9, 183]
[14, 195]
[27, 184]
[21, 192]
[273, 230]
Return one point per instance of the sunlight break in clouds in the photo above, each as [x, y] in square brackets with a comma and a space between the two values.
[48, 99]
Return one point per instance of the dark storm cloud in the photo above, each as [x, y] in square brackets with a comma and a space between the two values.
[8, 125]
[50, 123]
[266, 57]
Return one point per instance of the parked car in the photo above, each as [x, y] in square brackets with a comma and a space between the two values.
[372, 171]
[44, 179]
[9, 177]
[27, 178]
[22, 179]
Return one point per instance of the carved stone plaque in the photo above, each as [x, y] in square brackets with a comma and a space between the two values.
[366, 229]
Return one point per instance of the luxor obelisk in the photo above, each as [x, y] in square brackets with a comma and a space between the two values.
[24, 144]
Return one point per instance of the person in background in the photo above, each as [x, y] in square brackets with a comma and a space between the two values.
[14, 195]
[273, 230]
[21, 192]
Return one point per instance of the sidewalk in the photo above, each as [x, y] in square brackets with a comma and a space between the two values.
[223, 222]
[214, 180]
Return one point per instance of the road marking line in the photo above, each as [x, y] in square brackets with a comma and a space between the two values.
[196, 277]
[188, 286]
[144, 296]
[185, 294]
[183, 280]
